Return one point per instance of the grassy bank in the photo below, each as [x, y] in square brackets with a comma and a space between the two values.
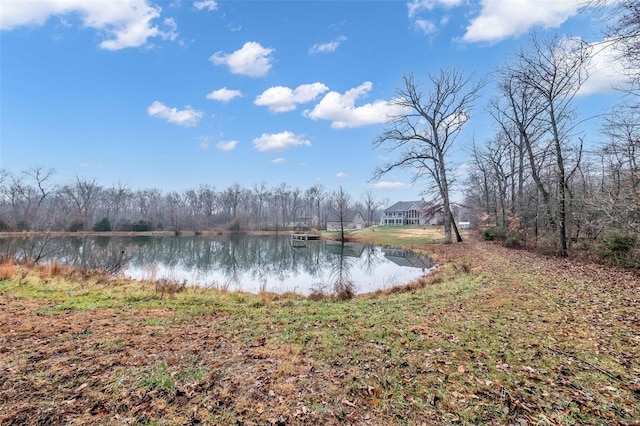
[493, 337]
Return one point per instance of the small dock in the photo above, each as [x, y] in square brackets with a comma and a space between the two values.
[305, 237]
[300, 240]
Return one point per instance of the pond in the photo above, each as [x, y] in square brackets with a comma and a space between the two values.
[236, 263]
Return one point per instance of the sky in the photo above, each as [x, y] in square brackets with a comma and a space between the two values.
[174, 94]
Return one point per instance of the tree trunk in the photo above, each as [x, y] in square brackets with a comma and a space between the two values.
[455, 228]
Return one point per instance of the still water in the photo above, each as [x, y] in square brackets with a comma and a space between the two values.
[243, 263]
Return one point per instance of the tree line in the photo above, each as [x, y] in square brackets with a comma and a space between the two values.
[30, 200]
[539, 179]
[537, 174]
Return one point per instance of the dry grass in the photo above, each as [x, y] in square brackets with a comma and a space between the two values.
[492, 337]
[168, 286]
[54, 269]
[7, 270]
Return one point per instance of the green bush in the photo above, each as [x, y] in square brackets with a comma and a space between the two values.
[620, 250]
[619, 243]
[102, 226]
[514, 239]
[75, 226]
[138, 226]
[495, 233]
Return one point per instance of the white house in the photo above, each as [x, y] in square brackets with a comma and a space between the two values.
[409, 213]
[351, 220]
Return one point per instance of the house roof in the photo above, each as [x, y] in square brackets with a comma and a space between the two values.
[348, 217]
[402, 206]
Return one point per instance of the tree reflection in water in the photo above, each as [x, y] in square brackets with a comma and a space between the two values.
[235, 262]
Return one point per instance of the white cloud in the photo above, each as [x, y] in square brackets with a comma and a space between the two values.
[279, 141]
[340, 109]
[453, 122]
[389, 185]
[278, 160]
[86, 165]
[426, 26]
[606, 69]
[224, 94]
[341, 175]
[205, 142]
[327, 47]
[210, 5]
[187, 117]
[172, 29]
[416, 6]
[282, 99]
[123, 23]
[252, 59]
[227, 145]
[462, 171]
[501, 19]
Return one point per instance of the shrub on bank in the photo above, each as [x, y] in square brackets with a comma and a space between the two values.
[494, 233]
[75, 226]
[620, 250]
[102, 226]
[138, 226]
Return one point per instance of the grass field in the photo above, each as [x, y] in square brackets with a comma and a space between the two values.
[494, 336]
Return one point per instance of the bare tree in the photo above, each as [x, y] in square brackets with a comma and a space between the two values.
[425, 129]
[554, 71]
[84, 193]
[260, 197]
[340, 206]
[208, 200]
[41, 176]
[176, 208]
[624, 31]
[619, 197]
[492, 161]
[115, 201]
[281, 198]
[371, 205]
[315, 195]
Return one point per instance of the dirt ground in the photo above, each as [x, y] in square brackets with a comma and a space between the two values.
[133, 365]
[86, 368]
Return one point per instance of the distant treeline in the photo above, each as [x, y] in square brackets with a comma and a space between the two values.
[31, 201]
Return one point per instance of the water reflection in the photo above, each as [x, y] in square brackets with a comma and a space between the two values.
[244, 263]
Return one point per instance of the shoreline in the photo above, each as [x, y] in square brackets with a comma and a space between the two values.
[207, 233]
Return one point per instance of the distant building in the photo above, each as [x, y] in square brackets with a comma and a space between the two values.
[300, 227]
[352, 220]
[410, 213]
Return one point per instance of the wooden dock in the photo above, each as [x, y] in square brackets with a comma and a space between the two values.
[300, 240]
[305, 237]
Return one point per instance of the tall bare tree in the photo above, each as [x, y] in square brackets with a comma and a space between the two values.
[554, 71]
[340, 206]
[425, 129]
[84, 193]
[42, 177]
[370, 205]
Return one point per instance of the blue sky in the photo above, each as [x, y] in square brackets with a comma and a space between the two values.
[174, 94]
